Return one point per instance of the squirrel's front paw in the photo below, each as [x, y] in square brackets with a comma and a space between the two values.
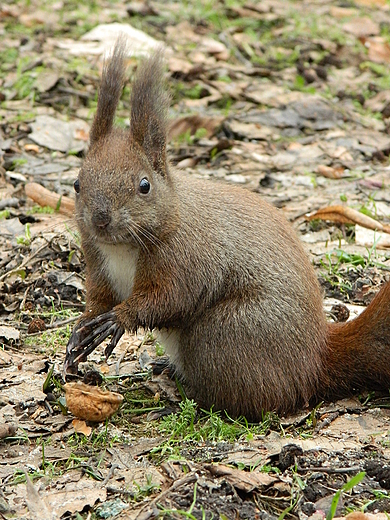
[87, 335]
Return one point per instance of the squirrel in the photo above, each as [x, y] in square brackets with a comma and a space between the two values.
[215, 270]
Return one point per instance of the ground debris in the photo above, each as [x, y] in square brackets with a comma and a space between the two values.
[291, 100]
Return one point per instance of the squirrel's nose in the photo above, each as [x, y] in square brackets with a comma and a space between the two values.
[101, 219]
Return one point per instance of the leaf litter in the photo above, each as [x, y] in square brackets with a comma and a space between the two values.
[290, 99]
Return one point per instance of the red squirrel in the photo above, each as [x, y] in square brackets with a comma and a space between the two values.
[216, 271]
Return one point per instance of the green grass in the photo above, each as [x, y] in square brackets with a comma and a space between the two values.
[188, 425]
[50, 341]
[26, 239]
[180, 513]
[190, 139]
[46, 210]
[354, 481]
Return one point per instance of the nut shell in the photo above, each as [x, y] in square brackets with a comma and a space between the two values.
[91, 403]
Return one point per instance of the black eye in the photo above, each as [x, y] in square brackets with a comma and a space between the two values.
[144, 186]
[76, 186]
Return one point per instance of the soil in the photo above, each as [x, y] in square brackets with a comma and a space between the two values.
[289, 99]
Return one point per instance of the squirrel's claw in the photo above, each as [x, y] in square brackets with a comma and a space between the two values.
[87, 335]
[116, 336]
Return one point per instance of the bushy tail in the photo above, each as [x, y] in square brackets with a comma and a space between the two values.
[359, 350]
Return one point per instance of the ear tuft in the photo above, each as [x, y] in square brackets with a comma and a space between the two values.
[110, 91]
[150, 102]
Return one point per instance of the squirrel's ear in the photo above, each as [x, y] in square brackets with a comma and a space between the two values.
[149, 111]
[111, 87]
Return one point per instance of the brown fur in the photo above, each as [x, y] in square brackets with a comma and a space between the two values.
[215, 265]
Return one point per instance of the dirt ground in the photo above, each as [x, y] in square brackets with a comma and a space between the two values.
[288, 98]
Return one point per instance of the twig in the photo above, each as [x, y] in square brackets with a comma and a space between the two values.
[44, 197]
[23, 302]
[59, 324]
[24, 263]
[351, 469]
[191, 477]
[224, 39]
[110, 474]
[74, 92]
[120, 491]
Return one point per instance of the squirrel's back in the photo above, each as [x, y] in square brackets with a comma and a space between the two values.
[252, 322]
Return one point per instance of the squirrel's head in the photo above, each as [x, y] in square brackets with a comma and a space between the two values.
[124, 192]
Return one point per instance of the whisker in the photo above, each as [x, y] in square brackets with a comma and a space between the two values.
[149, 237]
[132, 231]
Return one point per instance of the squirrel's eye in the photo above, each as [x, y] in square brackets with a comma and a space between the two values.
[144, 186]
[76, 186]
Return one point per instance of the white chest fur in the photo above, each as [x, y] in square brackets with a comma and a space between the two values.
[170, 340]
[120, 266]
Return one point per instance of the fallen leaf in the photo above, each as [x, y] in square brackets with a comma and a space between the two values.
[26, 387]
[345, 215]
[362, 27]
[46, 80]
[81, 427]
[379, 101]
[30, 147]
[372, 3]
[244, 480]
[193, 123]
[55, 134]
[367, 238]
[179, 65]
[103, 37]
[189, 162]
[378, 50]
[329, 172]
[7, 430]
[36, 504]
[72, 500]
[9, 332]
[251, 130]
[81, 134]
[341, 12]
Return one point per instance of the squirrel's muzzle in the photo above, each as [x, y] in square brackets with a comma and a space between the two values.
[101, 219]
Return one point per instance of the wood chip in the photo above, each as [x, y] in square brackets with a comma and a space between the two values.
[45, 197]
[345, 215]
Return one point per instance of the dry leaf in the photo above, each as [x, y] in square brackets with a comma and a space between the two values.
[8, 430]
[344, 215]
[81, 134]
[244, 480]
[362, 27]
[379, 101]
[189, 162]
[90, 402]
[81, 427]
[179, 65]
[30, 147]
[37, 505]
[72, 500]
[193, 123]
[367, 238]
[371, 3]
[341, 12]
[329, 172]
[378, 50]
[9, 332]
